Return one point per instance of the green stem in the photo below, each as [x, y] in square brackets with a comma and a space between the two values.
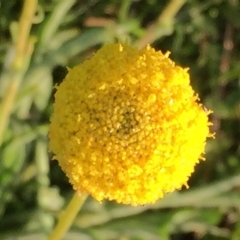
[163, 25]
[68, 216]
[18, 67]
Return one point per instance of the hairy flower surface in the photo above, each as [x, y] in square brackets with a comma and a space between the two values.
[127, 125]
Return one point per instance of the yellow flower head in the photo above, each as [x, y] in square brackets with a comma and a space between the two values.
[127, 126]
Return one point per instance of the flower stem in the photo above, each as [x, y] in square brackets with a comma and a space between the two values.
[68, 216]
[163, 25]
[23, 48]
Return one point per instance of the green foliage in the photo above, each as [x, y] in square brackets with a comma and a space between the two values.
[202, 35]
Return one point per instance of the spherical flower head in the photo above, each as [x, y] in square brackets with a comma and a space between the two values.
[127, 125]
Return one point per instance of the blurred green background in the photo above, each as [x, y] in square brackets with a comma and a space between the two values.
[201, 35]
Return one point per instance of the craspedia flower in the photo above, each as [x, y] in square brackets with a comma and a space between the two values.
[127, 125]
